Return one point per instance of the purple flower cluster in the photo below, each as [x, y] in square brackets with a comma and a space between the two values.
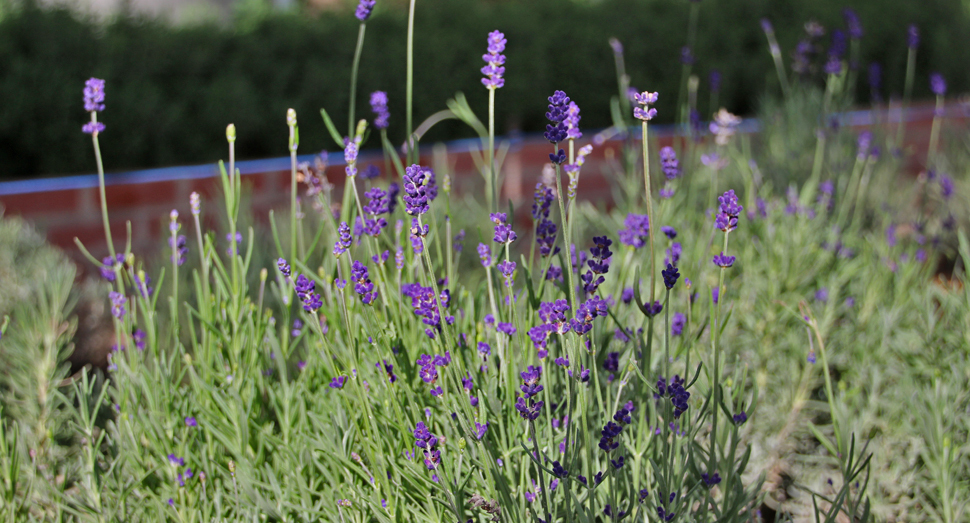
[344, 241]
[364, 9]
[545, 228]
[305, 288]
[669, 163]
[425, 440]
[503, 230]
[507, 268]
[611, 433]
[350, 157]
[670, 275]
[677, 324]
[636, 231]
[378, 104]
[587, 312]
[556, 131]
[528, 407]
[937, 84]
[912, 36]
[364, 287]
[118, 301]
[93, 103]
[485, 255]
[495, 61]
[572, 122]
[598, 263]
[181, 247]
[427, 307]
[836, 50]
[418, 233]
[419, 189]
[107, 266]
[645, 99]
[729, 210]
[724, 261]
[852, 23]
[676, 391]
[553, 316]
[283, 267]
[338, 382]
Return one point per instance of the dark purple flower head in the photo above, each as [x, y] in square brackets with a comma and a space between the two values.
[572, 122]
[377, 201]
[529, 410]
[715, 80]
[107, 266]
[495, 61]
[417, 190]
[542, 201]
[670, 274]
[711, 480]
[669, 231]
[766, 26]
[531, 377]
[946, 186]
[94, 95]
[587, 312]
[364, 9]
[833, 65]
[485, 255]
[937, 84]
[556, 131]
[677, 324]
[283, 267]
[503, 230]
[558, 158]
[190, 422]
[344, 241]
[837, 48]
[118, 301]
[875, 79]
[669, 163]
[611, 431]
[723, 260]
[912, 36]
[507, 268]
[378, 104]
[686, 56]
[338, 382]
[92, 128]
[852, 23]
[363, 285]
[612, 362]
[740, 418]
[636, 231]
[644, 112]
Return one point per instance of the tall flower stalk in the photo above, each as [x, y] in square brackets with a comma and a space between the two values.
[363, 12]
[493, 80]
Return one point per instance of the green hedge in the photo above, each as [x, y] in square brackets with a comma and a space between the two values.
[171, 91]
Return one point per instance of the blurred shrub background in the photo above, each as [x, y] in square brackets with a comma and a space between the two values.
[179, 84]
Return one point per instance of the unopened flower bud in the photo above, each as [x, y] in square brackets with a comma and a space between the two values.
[291, 117]
[231, 130]
[361, 127]
[232, 464]
[195, 203]
[263, 274]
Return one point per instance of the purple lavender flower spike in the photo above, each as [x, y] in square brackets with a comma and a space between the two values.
[937, 84]
[94, 95]
[345, 240]
[417, 193]
[670, 274]
[677, 324]
[852, 23]
[378, 104]
[507, 268]
[485, 255]
[636, 231]
[556, 130]
[572, 122]
[645, 99]
[912, 36]
[495, 61]
[338, 382]
[363, 286]
[118, 301]
[724, 261]
[364, 9]
[669, 163]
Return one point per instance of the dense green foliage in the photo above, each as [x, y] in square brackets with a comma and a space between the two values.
[180, 86]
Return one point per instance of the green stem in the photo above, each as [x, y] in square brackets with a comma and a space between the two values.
[409, 89]
[104, 203]
[935, 132]
[491, 179]
[353, 80]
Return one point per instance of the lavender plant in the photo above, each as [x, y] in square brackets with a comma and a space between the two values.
[304, 376]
